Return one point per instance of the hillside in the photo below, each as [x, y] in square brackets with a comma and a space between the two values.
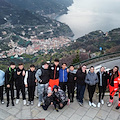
[20, 25]
[43, 6]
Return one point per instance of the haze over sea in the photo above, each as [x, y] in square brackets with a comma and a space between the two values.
[85, 16]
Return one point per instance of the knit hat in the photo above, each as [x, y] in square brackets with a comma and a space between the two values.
[49, 90]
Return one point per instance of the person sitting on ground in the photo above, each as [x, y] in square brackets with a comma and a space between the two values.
[59, 98]
[48, 99]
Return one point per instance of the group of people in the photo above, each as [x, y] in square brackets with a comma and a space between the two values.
[53, 82]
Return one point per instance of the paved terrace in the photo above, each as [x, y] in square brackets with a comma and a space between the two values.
[70, 112]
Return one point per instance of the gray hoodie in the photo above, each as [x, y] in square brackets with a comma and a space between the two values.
[91, 78]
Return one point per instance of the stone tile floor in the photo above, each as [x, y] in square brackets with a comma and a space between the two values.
[69, 112]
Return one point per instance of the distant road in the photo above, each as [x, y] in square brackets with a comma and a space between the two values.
[109, 63]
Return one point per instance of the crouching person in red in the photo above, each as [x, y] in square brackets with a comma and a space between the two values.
[114, 83]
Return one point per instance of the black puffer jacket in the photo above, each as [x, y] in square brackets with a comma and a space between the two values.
[19, 79]
[104, 78]
[80, 77]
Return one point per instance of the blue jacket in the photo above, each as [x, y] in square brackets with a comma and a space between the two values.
[63, 75]
[2, 77]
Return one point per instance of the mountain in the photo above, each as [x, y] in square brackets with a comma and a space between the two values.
[43, 6]
[20, 25]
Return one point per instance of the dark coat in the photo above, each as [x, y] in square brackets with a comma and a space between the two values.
[54, 71]
[31, 78]
[104, 78]
[80, 77]
[9, 77]
[19, 79]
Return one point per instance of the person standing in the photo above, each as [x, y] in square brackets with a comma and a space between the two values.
[2, 80]
[9, 82]
[19, 83]
[43, 76]
[54, 74]
[71, 83]
[114, 84]
[80, 79]
[91, 80]
[102, 77]
[30, 83]
[63, 72]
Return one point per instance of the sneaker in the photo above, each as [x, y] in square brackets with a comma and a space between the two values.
[39, 104]
[117, 107]
[2, 102]
[17, 101]
[7, 104]
[32, 103]
[81, 104]
[90, 103]
[57, 109]
[24, 102]
[98, 104]
[102, 102]
[93, 104]
[68, 102]
[28, 103]
[109, 104]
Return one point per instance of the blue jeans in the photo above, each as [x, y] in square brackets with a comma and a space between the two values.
[80, 90]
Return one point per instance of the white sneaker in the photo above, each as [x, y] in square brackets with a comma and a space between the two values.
[32, 103]
[109, 104]
[98, 104]
[2, 102]
[93, 104]
[102, 102]
[90, 103]
[39, 104]
[24, 102]
[28, 103]
[17, 101]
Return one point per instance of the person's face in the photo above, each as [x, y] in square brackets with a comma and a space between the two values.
[32, 68]
[102, 69]
[64, 66]
[84, 68]
[49, 94]
[12, 66]
[91, 69]
[20, 67]
[115, 69]
[71, 68]
[55, 90]
[56, 63]
[46, 66]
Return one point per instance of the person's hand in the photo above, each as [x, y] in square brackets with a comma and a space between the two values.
[40, 81]
[18, 73]
[8, 86]
[23, 73]
[61, 105]
[26, 85]
[51, 103]
[36, 80]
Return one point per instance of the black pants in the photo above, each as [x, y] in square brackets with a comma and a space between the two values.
[63, 85]
[8, 90]
[91, 90]
[102, 90]
[22, 89]
[57, 104]
[71, 87]
[1, 93]
[31, 91]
